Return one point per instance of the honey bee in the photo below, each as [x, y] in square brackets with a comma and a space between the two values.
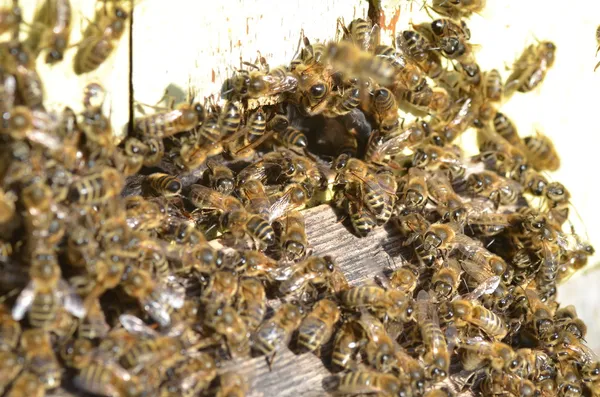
[531, 68]
[566, 318]
[141, 214]
[380, 348]
[506, 129]
[541, 153]
[46, 293]
[314, 271]
[29, 83]
[255, 264]
[94, 325]
[250, 302]
[275, 333]
[498, 189]
[501, 356]
[384, 106]
[232, 385]
[499, 382]
[479, 316]
[165, 124]
[293, 236]
[382, 146]
[457, 9]
[158, 299]
[404, 279]
[295, 197]
[446, 279]
[155, 151]
[261, 83]
[192, 377]
[437, 358]
[346, 344]
[221, 177]
[317, 327]
[181, 232]
[493, 88]
[225, 321]
[314, 89]
[415, 189]
[159, 184]
[37, 347]
[221, 288]
[413, 44]
[385, 304]
[343, 103]
[363, 222]
[55, 16]
[254, 194]
[100, 39]
[360, 382]
[292, 138]
[360, 33]
[432, 158]
[11, 365]
[27, 384]
[96, 188]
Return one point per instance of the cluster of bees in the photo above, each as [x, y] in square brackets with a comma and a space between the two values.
[114, 282]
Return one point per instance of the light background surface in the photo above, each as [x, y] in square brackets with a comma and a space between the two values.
[179, 43]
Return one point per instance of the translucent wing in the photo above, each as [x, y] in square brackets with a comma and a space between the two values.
[157, 311]
[485, 288]
[136, 326]
[71, 301]
[23, 302]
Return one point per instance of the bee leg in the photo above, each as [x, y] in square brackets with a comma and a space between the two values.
[270, 361]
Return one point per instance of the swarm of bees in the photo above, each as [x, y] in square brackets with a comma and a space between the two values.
[142, 267]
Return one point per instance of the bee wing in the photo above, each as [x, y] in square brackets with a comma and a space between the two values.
[157, 311]
[485, 288]
[103, 389]
[206, 198]
[295, 282]
[422, 306]
[277, 86]
[136, 326]
[283, 273]
[24, 302]
[281, 206]
[172, 294]
[338, 281]
[396, 144]
[71, 301]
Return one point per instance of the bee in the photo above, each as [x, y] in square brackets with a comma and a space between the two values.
[384, 106]
[363, 222]
[181, 232]
[541, 153]
[55, 15]
[500, 356]
[37, 347]
[159, 184]
[531, 68]
[275, 333]
[457, 9]
[343, 103]
[449, 204]
[479, 316]
[192, 377]
[232, 385]
[100, 39]
[313, 271]
[261, 83]
[233, 215]
[380, 347]
[221, 177]
[498, 189]
[413, 44]
[11, 364]
[382, 146]
[94, 325]
[404, 279]
[141, 214]
[316, 328]
[360, 33]
[96, 188]
[230, 118]
[292, 138]
[499, 155]
[250, 302]
[446, 279]
[255, 264]
[415, 189]
[254, 194]
[165, 124]
[346, 343]
[506, 129]
[7, 205]
[314, 89]
[27, 384]
[295, 197]
[155, 152]
[499, 382]
[158, 299]
[437, 358]
[29, 83]
[221, 288]
[566, 318]
[385, 304]
[492, 88]
[225, 321]
[293, 236]
[10, 330]
[361, 382]
[46, 293]
[432, 158]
